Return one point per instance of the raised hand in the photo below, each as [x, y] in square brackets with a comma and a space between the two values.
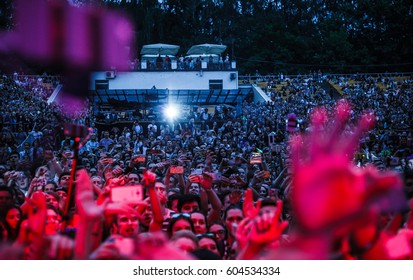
[149, 180]
[193, 178]
[210, 157]
[37, 215]
[239, 180]
[162, 198]
[243, 232]
[117, 171]
[327, 188]
[250, 211]
[114, 208]
[205, 180]
[106, 251]
[85, 202]
[119, 181]
[225, 181]
[267, 228]
[235, 197]
[32, 230]
[60, 247]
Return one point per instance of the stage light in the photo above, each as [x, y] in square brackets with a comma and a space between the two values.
[171, 111]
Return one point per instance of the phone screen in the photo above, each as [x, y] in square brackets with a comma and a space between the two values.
[197, 172]
[176, 170]
[216, 176]
[127, 194]
[255, 158]
[266, 174]
[140, 159]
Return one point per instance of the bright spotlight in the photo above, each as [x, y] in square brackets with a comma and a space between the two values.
[171, 111]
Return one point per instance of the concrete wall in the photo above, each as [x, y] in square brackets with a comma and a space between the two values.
[259, 94]
[193, 80]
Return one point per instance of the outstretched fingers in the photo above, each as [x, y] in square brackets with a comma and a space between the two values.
[341, 117]
[317, 135]
[365, 123]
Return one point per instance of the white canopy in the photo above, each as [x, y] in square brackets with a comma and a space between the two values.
[207, 49]
[162, 49]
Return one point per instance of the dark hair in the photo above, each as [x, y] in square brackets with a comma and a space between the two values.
[220, 244]
[60, 189]
[185, 234]
[232, 206]
[217, 222]
[7, 189]
[11, 234]
[135, 173]
[51, 182]
[268, 202]
[55, 195]
[183, 216]
[223, 194]
[18, 196]
[171, 198]
[14, 153]
[63, 174]
[205, 217]
[57, 211]
[407, 174]
[185, 198]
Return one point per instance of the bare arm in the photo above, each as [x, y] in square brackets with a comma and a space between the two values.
[148, 181]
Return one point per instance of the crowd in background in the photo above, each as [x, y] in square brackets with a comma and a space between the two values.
[203, 175]
[187, 63]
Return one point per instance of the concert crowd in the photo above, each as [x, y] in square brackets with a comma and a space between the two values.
[307, 175]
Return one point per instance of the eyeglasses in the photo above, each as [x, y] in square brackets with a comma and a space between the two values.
[209, 235]
[179, 215]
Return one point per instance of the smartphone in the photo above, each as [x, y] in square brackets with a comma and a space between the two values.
[154, 152]
[126, 194]
[266, 174]
[140, 159]
[255, 158]
[176, 169]
[216, 176]
[197, 172]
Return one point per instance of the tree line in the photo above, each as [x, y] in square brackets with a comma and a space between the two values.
[271, 36]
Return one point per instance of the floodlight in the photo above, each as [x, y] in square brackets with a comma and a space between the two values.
[171, 111]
